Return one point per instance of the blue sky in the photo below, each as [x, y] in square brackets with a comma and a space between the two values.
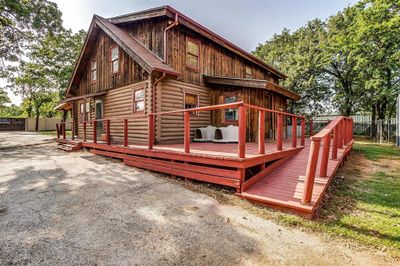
[243, 22]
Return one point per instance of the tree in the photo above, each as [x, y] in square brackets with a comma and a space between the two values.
[13, 111]
[298, 54]
[23, 22]
[3, 100]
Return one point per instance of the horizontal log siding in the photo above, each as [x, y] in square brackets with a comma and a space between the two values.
[172, 92]
[118, 103]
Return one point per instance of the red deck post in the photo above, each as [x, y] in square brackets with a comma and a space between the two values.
[335, 143]
[311, 170]
[125, 132]
[294, 131]
[340, 135]
[345, 131]
[108, 133]
[311, 128]
[261, 132]
[84, 131]
[94, 131]
[325, 156]
[151, 131]
[63, 130]
[351, 129]
[303, 132]
[186, 131]
[242, 132]
[279, 130]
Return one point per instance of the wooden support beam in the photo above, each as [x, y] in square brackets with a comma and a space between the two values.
[72, 130]
[303, 132]
[84, 131]
[310, 172]
[340, 135]
[63, 130]
[261, 132]
[94, 131]
[186, 131]
[294, 132]
[58, 131]
[323, 170]
[125, 132]
[279, 131]
[150, 131]
[242, 132]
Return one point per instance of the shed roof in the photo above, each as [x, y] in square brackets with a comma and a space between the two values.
[252, 83]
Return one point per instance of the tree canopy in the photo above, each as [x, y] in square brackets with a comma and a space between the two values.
[349, 62]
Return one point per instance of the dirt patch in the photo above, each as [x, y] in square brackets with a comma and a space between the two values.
[77, 208]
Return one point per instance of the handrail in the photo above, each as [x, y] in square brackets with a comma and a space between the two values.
[342, 130]
[241, 106]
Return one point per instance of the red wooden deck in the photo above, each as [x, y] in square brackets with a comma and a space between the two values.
[283, 187]
[290, 174]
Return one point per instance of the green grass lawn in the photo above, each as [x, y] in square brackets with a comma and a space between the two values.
[364, 199]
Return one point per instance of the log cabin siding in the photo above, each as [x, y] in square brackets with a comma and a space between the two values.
[171, 93]
[215, 60]
[129, 71]
[252, 96]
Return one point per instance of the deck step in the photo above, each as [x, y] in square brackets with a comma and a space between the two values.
[70, 147]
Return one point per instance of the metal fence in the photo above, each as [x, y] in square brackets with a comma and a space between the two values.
[383, 131]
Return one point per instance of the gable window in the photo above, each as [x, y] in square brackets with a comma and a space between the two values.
[192, 53]
[93, 70]
[191, 101]
[114, 59]
[138, 101]
[248, 72]
[231, 115]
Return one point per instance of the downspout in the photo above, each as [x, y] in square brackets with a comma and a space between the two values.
[165, 36]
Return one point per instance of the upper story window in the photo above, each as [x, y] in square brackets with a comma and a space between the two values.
[138, 101]
[231, 115]
[192, 53]
[248, 72]
[114, 59]
[191, 101]
[93, 70]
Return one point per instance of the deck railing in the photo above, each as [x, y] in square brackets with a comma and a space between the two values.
[242, 124]
[340, 132]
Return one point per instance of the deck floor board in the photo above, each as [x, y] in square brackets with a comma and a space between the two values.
[284, 186]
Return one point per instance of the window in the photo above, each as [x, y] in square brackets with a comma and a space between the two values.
[248, 72]
[192, 53]
[93, 69]
[85, 111]
[114, 60]
[138, 101]
[191, 101]
[231, 115]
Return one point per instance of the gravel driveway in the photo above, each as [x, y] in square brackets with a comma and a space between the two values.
[77, 208]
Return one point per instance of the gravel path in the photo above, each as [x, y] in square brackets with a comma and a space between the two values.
[77, 208]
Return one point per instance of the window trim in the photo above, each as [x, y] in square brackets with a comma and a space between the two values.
[93, 70]
[198, 42]
[134, 101]
[226, 95]
[197, 103]
[83, 111]
[111, 61]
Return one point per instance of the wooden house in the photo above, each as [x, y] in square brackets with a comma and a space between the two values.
[159, 60]
[145, 80]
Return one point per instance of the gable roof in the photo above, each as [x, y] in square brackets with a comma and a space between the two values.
[148, 60]
[193, 25]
